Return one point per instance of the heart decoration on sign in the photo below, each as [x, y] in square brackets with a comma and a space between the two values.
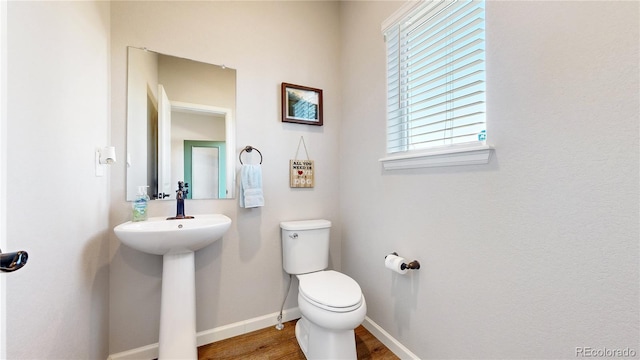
[300, 172]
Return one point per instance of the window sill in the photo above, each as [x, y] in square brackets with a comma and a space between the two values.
[465, 154]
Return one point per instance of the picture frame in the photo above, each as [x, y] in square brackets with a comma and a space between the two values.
[301, 104]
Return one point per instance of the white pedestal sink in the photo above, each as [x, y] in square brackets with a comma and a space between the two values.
[176, 240]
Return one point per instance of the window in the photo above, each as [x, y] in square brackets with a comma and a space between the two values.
[435, 77]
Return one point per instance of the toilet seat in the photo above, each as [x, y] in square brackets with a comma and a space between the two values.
[330, 290]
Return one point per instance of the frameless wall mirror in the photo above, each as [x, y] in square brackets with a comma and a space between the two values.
[180, 126]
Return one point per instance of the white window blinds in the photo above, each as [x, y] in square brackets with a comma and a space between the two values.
[436, 75]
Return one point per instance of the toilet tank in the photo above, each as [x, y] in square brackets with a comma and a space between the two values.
[305, 245]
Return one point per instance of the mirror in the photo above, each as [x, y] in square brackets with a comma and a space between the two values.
[180, 126]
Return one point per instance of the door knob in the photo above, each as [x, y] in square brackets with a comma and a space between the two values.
[13, 261]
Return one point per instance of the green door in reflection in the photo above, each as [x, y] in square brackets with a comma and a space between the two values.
[204, 169]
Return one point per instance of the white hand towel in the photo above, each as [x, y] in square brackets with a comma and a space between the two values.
[251, 194]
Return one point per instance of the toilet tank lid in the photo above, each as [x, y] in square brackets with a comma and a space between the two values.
[305, 224]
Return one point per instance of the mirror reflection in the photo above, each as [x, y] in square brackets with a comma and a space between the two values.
[180, 126]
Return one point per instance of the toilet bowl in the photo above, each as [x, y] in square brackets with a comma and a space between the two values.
[331, 303]
[332, 306]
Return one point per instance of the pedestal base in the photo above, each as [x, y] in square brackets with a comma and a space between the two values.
[178, 308]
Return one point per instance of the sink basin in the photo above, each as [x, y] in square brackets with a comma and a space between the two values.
[177, 241]
[161, 236]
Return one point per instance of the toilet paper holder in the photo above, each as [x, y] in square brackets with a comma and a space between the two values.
[413, 265]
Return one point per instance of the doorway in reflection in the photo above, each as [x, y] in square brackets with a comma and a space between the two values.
[204, 169]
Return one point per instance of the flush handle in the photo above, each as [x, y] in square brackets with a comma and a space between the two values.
[294, 236]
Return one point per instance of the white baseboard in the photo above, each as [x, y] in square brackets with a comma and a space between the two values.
[213, 335]
[144, 352]
[389, 341]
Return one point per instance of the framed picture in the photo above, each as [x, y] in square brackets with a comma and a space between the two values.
[301, 104]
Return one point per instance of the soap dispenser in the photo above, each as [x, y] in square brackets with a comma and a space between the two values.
[140, 204]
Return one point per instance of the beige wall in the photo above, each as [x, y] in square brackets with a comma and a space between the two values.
[57, 115]
[196, 82]
[536, 253]
[268, 43]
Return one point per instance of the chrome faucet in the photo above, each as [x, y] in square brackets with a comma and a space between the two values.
[181, 193]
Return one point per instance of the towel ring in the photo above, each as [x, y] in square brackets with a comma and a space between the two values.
[249, 149]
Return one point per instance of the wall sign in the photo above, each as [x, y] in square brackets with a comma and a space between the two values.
[301, 173]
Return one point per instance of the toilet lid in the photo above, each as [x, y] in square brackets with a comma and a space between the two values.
[330, 288]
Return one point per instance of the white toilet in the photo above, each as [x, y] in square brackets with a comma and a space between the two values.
[331, 303]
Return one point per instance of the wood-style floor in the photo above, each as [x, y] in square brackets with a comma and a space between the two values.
[271, 343]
